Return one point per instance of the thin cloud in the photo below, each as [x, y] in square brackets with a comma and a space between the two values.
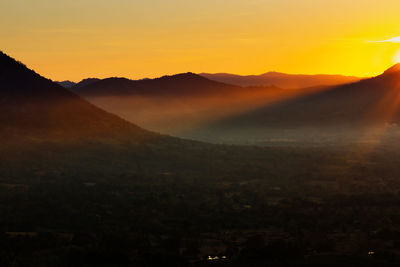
[391, 40]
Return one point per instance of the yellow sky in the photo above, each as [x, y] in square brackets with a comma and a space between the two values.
[76, 39]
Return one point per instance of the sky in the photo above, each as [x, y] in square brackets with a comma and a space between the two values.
[76, 39]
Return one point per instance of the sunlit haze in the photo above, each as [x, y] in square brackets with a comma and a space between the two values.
[136, 39]
[396, 58]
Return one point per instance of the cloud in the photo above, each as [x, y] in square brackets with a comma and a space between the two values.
[395, 40]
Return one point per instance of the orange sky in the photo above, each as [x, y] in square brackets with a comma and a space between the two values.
[149, 38]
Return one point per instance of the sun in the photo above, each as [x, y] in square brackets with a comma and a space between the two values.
[396, 57]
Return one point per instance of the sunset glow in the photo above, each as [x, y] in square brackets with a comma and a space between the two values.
[79, 39]
[396, 58]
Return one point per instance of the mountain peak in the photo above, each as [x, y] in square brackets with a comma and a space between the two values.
[66, 83]
[184, 76]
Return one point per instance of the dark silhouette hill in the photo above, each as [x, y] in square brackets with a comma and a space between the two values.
[31, 104]
[369, 103]
[281, 80]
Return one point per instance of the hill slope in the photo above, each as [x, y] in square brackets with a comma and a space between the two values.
[31, 104]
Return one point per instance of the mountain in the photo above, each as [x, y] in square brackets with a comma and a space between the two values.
[368, 104]
[177, 103]
[34, 105]
[86, 82]
[66, 84]
[180, 84]
[281, 80]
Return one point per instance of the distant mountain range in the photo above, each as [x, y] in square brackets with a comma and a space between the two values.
[179, 85]
[177, 103]
[278, 79]
[84, 82]
[282, 80]
[360, 106]
[193, 106]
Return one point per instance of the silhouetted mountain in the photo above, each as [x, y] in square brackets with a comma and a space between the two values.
[180, 84]
[66, 84]
[373, 102]
[31, 104]
[281, 80]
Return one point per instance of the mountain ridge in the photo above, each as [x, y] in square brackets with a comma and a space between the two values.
[178, 84]
[282, 80]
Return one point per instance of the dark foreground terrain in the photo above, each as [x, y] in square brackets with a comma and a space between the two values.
[161, 205]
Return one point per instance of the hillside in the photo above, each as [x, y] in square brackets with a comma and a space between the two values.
[33, 105]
